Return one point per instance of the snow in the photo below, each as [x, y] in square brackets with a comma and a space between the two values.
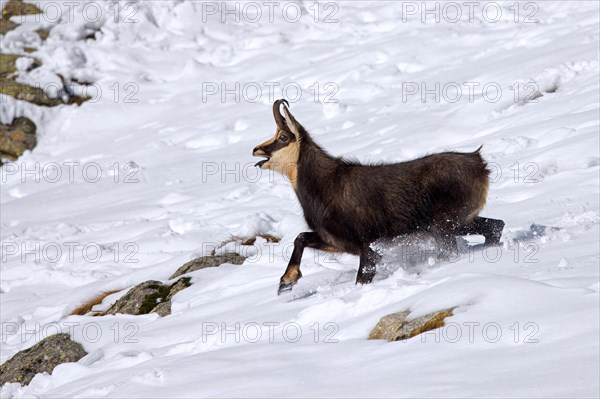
[157, 171]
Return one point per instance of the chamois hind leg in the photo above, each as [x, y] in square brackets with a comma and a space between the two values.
[445, 240]
[367, 266]
[292, 273]
[491, 229]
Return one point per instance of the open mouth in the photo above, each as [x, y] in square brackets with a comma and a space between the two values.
[262, 162]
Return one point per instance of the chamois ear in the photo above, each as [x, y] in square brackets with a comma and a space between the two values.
[291, 123]
[279, 119]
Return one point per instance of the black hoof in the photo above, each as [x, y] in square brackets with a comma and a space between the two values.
[365, 279]
[284, 287]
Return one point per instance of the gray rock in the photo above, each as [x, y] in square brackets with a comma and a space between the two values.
[164, 308]
[141, 299]
[209, 261]
[398, 326]
[42, 357]
[148, 297]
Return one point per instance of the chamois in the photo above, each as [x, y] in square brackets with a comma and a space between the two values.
[348, 205]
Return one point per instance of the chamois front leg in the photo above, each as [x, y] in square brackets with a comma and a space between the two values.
[367, 266]
[292, 273]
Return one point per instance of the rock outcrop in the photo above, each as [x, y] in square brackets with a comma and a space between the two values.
[148, 297]
[209, 261]
[42, 357]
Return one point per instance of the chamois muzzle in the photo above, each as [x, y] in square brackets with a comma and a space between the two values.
[258, 152]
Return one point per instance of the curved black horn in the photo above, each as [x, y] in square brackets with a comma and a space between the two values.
[279, 119]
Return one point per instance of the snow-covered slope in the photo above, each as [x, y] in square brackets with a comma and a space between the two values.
[527, 322]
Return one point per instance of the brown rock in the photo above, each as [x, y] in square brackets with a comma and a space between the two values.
[17, 138]
[398, 326]
[17, 7]
[33, 94]
[43, 33]
[6, 26]
[13, 8]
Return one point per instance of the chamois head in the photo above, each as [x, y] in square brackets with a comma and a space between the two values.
[281, 151]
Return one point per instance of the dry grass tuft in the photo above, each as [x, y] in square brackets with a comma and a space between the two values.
[248, 241]
[87, 306]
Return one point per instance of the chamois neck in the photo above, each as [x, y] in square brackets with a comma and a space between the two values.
[315, 165]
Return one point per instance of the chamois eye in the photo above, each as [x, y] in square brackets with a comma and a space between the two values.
[284, 138]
